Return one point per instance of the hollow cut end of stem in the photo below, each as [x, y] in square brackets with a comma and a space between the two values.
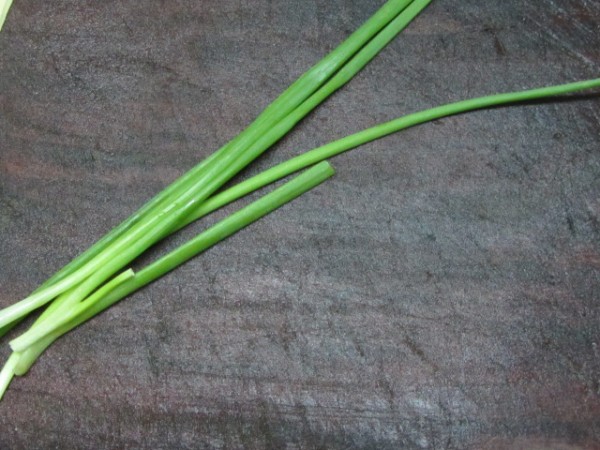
[4, 7]
[8, 372]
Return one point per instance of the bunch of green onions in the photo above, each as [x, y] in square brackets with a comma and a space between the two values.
[100, 276]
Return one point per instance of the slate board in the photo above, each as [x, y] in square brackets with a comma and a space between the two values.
[440, 292]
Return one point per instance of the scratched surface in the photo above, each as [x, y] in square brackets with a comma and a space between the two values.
[440, 292]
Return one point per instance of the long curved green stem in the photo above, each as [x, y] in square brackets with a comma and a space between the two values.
[349, 142]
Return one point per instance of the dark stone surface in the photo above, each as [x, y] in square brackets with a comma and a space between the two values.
[440, 292]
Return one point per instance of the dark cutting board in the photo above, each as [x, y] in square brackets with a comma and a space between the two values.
[440, 292]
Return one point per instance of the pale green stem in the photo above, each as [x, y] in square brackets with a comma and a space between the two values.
[4, 7]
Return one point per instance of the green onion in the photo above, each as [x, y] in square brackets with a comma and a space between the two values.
[370, 134]
[349, 142]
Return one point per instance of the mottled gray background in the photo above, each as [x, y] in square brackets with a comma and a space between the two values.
[440, 292]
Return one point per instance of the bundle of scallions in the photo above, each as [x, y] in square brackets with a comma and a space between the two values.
[101, 276]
